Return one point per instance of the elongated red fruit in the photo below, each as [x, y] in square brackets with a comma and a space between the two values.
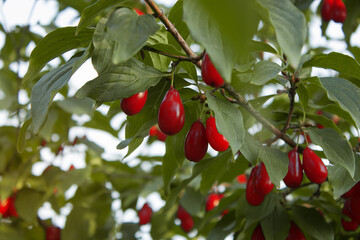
[314, 167]
[294, 175]
[351, 225]
[209, 73]
[217, 141]
[253, 197]
[53, 233]
[212, 201]
[155, 132]
[258, 234]
[133, 105]
[326, 10]
[295, 233]
[352, 191]
[145, 214]
[263, 183]
[171, 115]
[196, 143]
[354, 203]
[139, 12]
[186, 219]
[339, 11]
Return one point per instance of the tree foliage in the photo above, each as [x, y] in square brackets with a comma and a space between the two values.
[254, 45]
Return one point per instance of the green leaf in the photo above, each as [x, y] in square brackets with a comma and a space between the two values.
[21, 143]
[77, 106]
[336, 148]
[121, 81]
[264, 71]
[99, 121]
[229, 121]
[290, 27]
[192, 201]
[13, 233]
[53, 45]
[276, 163]
[340, 179]
[212, 25]
[312, 222]
[94, 10]
[129, 32]
[45, 89]
[303, 96]
[257, 46]
[336, 61]
[250, 149]
[276, 226]
[27, 203]
[345, 93]
[129, 229]
[222, 228]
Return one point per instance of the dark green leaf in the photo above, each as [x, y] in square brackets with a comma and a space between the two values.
[276, 226]
[77, 106]
[345, 93]
[121, 81]
[250, 148]
[257, 46]
[229, 121]
[303, 96]
[44, 91]
[53, 45]
[192, 201]
[21, 144]
[336, 148]
[27, 203]
[222, 228]
[276, 163]
[264, 71]
[290, 27]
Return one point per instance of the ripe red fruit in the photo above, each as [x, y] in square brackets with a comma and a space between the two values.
[352, 191]
[7, 208]
[295, 233]
[4, 206]
[217, 141]
[53, 233]
[171, 116]
[326, 10]
[314, 167]
[213, 200]
[209, 73]
[262, 180]
[339, 11]
[196, 143]
[145, 214]
[241, 178]
[253, 197]
[139, 12]
[133, 105]
[258, 234]
[294, 175]
[348, 225]
[187, 222]
[155, 132]
[182, 213]
[354, 203]
[71, 168]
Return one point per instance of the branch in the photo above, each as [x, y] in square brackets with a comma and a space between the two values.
[170, 27]
[180, 58]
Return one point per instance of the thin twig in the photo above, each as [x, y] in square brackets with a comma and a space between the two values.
[180, 58]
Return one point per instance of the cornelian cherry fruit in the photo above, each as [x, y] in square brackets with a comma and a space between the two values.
[339, 11]
[262, 180]
[217, 141]
[348, 225]
[213, 201]
[294, 175]
[352, 191]
[187, 222]
[241, 178]
[354, 203]
[145, 214]
[196, 143]
[258, 233]
[53, 233]
[171, 115]
[209, 73]
[253, 196]
[139, 12]
[314, 167]
[326, 10]
[133, 105]
[295, 233]
[156, 132]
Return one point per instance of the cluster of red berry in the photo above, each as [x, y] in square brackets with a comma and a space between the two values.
[351, 208]
[294, 233]
[53, 233]
[333, 9]
[7, 207]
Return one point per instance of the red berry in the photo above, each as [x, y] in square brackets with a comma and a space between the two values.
[187, 224]
[43, 143]
[295, 233]
[352, 191]
[348, 225]
[8, 207]
[53, 233]
[133, 105]
[262, 180]
[294, 175]
[258, 234]
[326, 10]
[314, 167]
[217, 141]
[209, 73]
[253, 197]
[156, 132]
[145, 214]
[196, 143]
[339, 11]
[171, 116]
[139, 12]
[71, 168]
[4, 206]
[213, 200]
[153, 131]
[241, 178]
[182, 213]
[354, 203]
